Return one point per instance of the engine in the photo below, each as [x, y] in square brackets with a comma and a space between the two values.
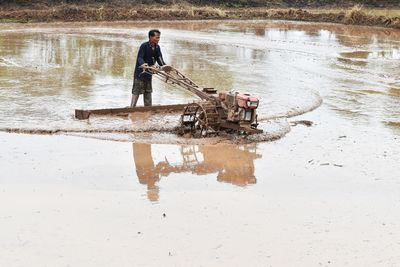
[240, 108]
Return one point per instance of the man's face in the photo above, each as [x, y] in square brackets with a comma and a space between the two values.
[155, 39]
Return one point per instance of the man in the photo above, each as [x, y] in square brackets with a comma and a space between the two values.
[149, 54]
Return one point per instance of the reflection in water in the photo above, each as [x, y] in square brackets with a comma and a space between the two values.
[146, 170]
[74, 60]
[233, 164]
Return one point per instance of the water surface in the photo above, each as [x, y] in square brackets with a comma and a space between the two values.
[48, 70]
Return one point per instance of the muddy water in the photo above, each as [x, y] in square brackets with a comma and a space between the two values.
[323, 195]
[46, 71]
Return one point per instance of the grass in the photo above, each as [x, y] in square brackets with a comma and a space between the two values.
[355, 16]
[390, 13]
[193, 11]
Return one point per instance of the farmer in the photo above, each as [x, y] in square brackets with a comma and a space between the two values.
[149, 54]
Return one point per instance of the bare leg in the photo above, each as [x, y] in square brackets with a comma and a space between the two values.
[134, 100]
[147, 99]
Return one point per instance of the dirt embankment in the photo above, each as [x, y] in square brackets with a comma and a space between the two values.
[70, 12]
[220, 3]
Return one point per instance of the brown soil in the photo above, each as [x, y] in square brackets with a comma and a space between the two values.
[355, 16]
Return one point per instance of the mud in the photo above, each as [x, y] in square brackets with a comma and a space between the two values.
[236, 205]
[318, 196]
[184, 12]
[273, 130]
[301, 122]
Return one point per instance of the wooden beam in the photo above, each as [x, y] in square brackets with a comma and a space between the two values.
[82, 114]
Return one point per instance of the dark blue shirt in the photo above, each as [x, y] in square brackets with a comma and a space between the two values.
[150, 55]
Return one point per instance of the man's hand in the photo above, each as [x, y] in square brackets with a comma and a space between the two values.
[145, 65]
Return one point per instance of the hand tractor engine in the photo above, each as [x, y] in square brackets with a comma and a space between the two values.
[240, 108]
[226, 111]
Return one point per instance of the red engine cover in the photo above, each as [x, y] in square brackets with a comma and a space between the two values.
[244, 100]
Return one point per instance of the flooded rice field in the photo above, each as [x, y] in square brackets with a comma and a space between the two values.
[47, 71]
[324, 195]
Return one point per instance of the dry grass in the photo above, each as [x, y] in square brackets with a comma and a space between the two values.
[190, 11]
[356, 16]
[389, 13]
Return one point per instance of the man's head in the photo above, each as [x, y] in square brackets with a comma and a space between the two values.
[154, 36]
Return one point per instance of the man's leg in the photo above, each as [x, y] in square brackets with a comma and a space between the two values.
[147, 86]
[136, 90]
[134, 100]
[147, 99]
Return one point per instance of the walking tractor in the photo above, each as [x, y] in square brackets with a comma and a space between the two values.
[216, 111]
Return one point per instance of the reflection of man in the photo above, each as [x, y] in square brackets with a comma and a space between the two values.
[145, 170]
[149, 53]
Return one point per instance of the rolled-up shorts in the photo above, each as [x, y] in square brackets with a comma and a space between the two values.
[140, 87]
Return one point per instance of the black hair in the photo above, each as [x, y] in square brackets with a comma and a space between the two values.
[153, 32]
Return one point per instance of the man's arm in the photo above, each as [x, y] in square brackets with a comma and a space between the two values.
[160, 59]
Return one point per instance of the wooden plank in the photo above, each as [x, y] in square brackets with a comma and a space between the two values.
[82, 114]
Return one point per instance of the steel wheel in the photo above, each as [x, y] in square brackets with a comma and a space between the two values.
[196, 120]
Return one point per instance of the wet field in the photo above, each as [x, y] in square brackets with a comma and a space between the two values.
[47, 72]
[321, 195]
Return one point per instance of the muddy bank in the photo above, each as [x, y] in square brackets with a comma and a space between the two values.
[166, 134]
[355, 16]
[220, 3]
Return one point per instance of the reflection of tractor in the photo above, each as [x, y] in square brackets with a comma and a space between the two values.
[234, 164]
[216, 112]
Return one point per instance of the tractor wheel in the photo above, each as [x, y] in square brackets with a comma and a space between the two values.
[199, 119]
